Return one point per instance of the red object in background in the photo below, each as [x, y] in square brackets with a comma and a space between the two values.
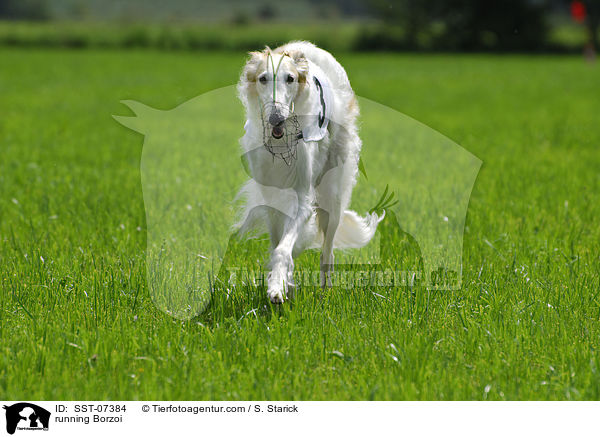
[578, 11]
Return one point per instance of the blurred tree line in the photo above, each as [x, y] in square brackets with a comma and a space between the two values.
[439, 25]
[470, 25]
[592, 20]
[24, 10]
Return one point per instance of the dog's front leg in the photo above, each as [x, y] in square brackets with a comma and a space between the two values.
[282, 264]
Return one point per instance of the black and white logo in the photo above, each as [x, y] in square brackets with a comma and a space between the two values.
[26, 416]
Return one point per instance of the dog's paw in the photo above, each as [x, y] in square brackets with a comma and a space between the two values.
[326, 279]
[326, 269]
[276, 287]
[276, 296]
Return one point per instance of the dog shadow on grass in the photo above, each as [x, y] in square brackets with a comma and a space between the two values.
[240, 287]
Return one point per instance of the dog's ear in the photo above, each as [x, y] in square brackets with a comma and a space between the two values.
[248, 77]
[301, 64]
[251, 68]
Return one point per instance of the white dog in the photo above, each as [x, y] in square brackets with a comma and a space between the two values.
[302, 148]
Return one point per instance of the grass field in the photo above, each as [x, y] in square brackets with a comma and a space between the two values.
[76, 317]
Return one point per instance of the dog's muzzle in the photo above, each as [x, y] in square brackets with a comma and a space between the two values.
[280, 134]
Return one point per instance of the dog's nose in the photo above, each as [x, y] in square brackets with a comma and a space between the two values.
[276, 118]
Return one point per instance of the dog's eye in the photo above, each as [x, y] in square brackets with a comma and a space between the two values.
[263, 79]
[290, 78]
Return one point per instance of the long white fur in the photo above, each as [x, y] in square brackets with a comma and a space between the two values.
[302, 205]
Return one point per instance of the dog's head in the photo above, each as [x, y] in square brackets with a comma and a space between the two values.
[274, 80]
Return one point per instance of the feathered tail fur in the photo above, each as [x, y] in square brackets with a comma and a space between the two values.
[353, 231]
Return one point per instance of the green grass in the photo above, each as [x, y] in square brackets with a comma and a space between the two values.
[76, 317]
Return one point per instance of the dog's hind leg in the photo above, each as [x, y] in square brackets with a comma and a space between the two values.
[333, 195]
[328, 222]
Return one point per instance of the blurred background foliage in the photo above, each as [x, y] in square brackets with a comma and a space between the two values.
[363, 25]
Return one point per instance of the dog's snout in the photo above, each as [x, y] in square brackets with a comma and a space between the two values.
[276, 119]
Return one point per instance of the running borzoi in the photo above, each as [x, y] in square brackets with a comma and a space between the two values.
[302, 148]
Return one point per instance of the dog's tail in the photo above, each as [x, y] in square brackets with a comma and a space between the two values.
[353, 231]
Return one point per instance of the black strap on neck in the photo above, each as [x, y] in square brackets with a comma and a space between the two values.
[322, 98]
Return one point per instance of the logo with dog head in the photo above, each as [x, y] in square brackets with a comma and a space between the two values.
[26, 416]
